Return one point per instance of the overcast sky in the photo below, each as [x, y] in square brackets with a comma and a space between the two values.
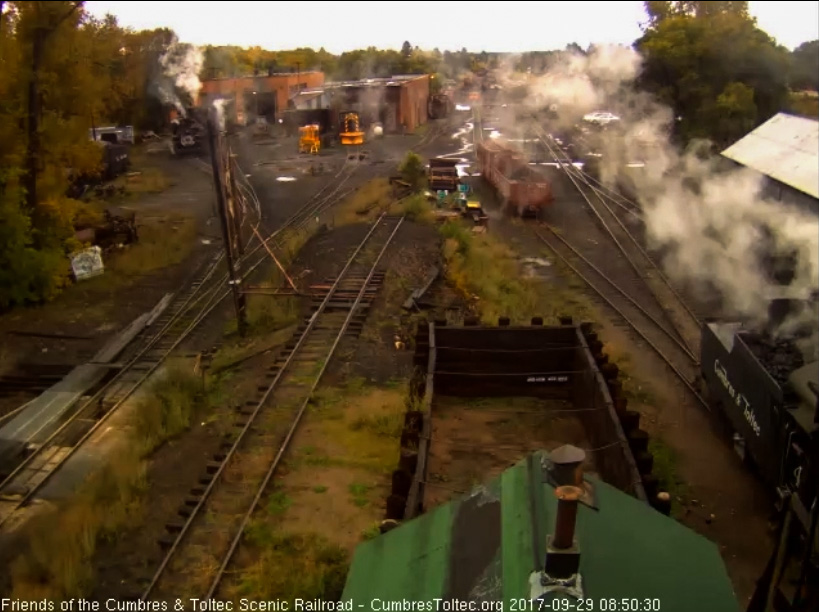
[479, 25]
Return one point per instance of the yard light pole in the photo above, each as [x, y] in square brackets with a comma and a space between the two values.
[234, 281]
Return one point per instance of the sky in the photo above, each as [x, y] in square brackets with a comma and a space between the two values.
[479, 26]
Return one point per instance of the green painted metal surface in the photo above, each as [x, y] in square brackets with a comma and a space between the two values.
[485, 547]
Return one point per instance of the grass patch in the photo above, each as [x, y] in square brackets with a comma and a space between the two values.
[143, 180]
[666, 472]
[320, 489]
[358, 493]
[55, 559]
[287, 567]
[634, 389]
[371, 532]
[278, 503]
[416, 208]
[162, 243]
[487, 272]
[365, 203]
[364, 424]
[390, 424]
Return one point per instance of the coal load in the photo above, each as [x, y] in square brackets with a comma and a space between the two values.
[779, 356]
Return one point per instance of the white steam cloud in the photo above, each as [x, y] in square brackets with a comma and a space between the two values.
[219, 106]
[708, 220]
[181, 65]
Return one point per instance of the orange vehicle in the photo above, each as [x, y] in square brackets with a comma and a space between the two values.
[350, 132]
[310, 139]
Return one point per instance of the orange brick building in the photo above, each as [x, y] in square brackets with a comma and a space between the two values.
[259, 96]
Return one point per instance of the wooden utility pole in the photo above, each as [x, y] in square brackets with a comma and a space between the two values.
[234, 280]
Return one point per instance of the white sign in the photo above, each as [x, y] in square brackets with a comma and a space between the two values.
[741, 402]
[87, 263]
[543, 379]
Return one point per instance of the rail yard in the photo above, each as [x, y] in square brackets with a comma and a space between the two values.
[408, 308]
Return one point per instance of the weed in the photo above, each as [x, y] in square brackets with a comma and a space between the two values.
[303, 566]
[373, 531]
[58, 545]
[666, 472]
[162, 243]
[319, 489]
[168, 409]
[365, 204]
[416, 208]
[389, 424]
[359, 492]
[278, 503]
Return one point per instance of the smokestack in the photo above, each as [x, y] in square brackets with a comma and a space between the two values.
[567, 498]
[567, 465]
[562, 552]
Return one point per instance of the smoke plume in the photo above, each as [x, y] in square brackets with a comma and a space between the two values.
[707, 219]
[219, 106]
[181, 65]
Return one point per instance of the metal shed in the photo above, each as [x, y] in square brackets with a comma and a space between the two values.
[493, 546]
[785, 149]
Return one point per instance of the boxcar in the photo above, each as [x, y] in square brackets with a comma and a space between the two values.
[522, 190]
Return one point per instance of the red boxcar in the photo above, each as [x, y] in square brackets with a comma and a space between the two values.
[522, 190]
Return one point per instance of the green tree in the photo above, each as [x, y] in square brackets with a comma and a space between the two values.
[805, 66]
[413, 171]
[61, 71]
[704, 59]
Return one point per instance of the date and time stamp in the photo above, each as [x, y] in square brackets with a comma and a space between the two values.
[373, 605]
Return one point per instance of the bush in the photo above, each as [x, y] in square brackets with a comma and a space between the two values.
[416, 208]
[27, 274]
[413, 170]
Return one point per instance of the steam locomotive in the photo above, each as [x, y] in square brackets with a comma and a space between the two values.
[189, 133]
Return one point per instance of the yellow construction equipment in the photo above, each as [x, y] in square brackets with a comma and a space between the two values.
[350, 133]
[310, 139]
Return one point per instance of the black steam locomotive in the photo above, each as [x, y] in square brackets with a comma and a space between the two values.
[189, 133]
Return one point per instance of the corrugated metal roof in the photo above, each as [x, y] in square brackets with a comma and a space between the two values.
[486, 547]
[785, 148]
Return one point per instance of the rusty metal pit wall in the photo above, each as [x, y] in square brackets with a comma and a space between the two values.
[564, 362]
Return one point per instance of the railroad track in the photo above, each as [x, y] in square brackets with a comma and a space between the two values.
[220, 507]
[156, 343]
[674, 311]
[633, 287]
[628, 281]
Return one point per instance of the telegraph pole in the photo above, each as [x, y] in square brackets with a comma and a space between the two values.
[238, 296]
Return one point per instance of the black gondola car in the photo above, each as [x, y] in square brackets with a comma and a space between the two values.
[767, 390]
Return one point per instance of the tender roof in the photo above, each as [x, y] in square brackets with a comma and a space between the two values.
[784, 148]
[486, 546]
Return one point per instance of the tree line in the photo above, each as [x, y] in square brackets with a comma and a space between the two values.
[63, 71]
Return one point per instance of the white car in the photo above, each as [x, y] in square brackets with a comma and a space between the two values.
[600, 117]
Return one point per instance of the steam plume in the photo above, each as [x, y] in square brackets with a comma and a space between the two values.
[707, 219]
[219, 105]
[181, 65]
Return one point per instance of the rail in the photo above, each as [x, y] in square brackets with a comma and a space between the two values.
[286, 377]
[37, 469]
[687, 336]
[630, 321]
